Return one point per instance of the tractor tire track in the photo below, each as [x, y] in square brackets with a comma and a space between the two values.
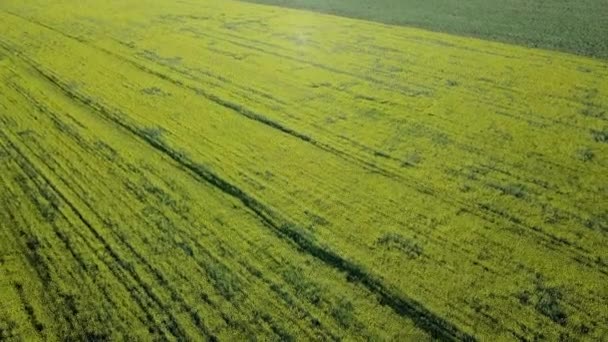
[172, 323]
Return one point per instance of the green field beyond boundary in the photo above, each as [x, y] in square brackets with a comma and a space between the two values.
[579, 27]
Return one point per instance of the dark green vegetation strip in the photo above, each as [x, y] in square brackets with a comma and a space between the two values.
[579, 27]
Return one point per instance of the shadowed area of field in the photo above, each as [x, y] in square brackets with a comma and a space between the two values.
[222, 170]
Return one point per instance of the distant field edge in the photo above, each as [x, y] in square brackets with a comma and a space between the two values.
[579, 28]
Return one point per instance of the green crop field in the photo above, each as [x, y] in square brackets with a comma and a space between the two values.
[575, 26]
[214, 170]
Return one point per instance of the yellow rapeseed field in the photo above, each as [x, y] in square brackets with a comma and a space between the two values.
[216, 170]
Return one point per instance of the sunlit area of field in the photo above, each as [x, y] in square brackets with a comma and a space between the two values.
[220, 170]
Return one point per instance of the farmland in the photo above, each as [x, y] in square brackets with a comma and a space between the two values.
[574, 26]
[218, 170]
